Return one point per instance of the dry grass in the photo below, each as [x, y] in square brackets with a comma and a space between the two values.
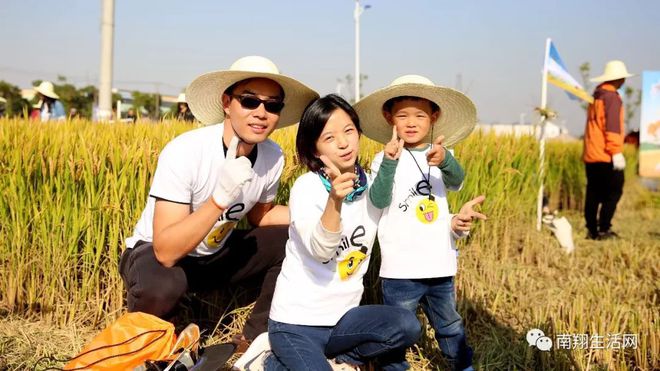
[71, 192]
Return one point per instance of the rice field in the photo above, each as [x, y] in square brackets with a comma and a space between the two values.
[71, 193]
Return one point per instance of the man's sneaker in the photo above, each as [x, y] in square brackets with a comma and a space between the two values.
[593, 235]
[254, 357]
[608, 235]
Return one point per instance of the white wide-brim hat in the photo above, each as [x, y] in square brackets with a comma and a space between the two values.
[46, 88]
[181, 98]
[614, 70]
[204, 94]
[458, 114]
[3, 100]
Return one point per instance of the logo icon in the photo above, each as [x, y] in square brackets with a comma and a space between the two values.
[536, 338]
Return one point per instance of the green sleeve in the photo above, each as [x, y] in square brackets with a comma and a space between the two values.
[452, 172]
[380, 192]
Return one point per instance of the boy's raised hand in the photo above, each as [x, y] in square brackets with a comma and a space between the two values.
[394, 147]
[463, 220]
[437, 153]
[342, 184]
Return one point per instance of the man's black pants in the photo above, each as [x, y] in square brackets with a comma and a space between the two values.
[247, 254]
[604, 189]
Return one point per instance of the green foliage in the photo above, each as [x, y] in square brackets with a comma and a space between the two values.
[145, 103]
[15, 105]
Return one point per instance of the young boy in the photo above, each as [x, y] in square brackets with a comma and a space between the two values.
[425, 117]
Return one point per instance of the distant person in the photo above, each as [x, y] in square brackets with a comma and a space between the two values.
[35, 111]
[603, 151]
[51, 108]
[183, 112]
[130, 115]
[73, 113]
[3, 104]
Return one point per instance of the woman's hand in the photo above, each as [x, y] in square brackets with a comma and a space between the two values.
[342, 184]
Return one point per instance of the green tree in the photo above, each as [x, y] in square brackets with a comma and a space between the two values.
[15, 105]
[585, 70]
[146, 101]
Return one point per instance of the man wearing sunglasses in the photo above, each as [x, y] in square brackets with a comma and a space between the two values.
[205, 182]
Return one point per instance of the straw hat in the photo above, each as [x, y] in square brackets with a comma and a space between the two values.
[181, 98]
[614, 70]
[205, 92]
[457, 119]
[46, 88]
[3, 100]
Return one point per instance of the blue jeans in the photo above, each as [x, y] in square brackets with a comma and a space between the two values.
[364, 333]
[438, 301]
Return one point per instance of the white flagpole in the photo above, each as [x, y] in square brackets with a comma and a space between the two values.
[544, 99]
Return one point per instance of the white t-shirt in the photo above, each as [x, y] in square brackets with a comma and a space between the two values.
[187, 172]
[414, 233]
[314, 293]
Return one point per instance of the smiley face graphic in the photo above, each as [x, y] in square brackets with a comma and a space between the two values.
[427, 211]
[218, 234]
[349, 265]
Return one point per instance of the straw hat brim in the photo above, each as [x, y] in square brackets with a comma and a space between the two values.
[458, 114]
[48, 93]
[204, 95]
[603, 78]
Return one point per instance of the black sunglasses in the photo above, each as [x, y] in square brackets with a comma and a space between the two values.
[252, 102]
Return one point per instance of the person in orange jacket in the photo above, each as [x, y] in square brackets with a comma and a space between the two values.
[603, 151]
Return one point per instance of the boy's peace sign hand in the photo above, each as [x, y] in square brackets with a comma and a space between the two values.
[234, 173]
[437, 153]
[394, 147]
[463, 220]
[342, 184]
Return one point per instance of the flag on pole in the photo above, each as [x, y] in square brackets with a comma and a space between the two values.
[558, 75]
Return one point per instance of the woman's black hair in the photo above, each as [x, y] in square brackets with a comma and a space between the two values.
[311, 125]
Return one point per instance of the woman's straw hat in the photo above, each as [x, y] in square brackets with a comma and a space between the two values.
[205, 92]
[458, 114]
[46, 88]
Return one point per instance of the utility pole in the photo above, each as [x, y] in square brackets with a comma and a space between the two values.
[107, 40]
[356, 16]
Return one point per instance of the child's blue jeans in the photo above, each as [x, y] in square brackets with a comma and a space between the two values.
[438, 299]
[363, 333]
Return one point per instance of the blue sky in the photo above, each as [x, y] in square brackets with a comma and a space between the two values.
[496, 46]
